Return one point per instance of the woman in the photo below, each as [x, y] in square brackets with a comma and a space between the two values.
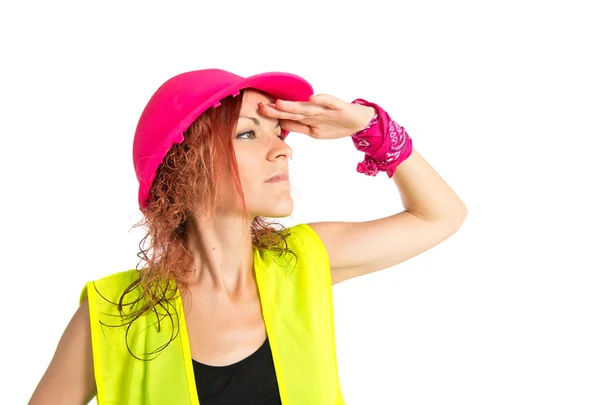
[228, 309]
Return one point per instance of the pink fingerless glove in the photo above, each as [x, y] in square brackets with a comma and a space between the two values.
[385, 143]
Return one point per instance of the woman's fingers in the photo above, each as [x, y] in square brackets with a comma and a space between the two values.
[298, 107]
[277, 113]
[295, 126]
[327, 101]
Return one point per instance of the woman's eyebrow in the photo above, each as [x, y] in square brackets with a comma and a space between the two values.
[257, 122]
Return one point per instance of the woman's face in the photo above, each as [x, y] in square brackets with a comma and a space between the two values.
[260, 153]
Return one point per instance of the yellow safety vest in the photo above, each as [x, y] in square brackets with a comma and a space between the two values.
[298, 313]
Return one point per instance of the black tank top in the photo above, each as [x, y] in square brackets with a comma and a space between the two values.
[249, 381]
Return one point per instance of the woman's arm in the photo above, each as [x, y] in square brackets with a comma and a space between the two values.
[432, 213]
[69, 378]
[432, 210]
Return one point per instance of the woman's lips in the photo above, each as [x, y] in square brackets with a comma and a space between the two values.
[278, 178]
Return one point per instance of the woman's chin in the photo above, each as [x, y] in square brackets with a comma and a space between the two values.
[281, 210]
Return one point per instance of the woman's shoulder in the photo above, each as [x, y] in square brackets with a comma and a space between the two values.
[109, 284]
[305, 247]
[306, 239]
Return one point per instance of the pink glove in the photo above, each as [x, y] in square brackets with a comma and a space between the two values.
[385, 143]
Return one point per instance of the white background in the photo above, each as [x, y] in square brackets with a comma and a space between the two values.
[501, 99]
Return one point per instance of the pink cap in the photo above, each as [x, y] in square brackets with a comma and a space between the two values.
[183, 98]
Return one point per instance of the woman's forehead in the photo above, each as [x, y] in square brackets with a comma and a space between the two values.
[254, 96]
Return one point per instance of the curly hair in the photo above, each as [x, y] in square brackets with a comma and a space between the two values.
[188, 181]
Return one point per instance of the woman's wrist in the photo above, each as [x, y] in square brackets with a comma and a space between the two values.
[364, 114]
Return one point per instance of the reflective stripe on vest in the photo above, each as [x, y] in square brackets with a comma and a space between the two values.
[297, 309]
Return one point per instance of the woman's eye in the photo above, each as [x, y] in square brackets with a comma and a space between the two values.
[254, 135]
[247, 132]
